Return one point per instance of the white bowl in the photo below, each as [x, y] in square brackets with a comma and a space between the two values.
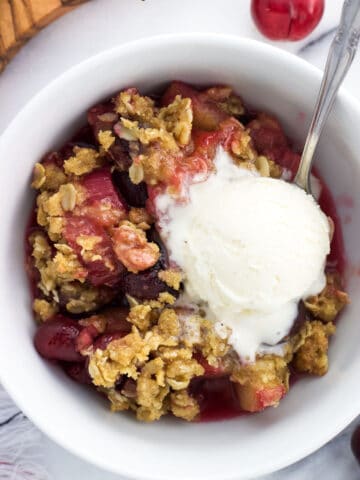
[315, 409]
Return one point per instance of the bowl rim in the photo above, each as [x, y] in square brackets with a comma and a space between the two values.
[79, 69]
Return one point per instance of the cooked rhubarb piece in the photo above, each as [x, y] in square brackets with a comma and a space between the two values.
[103, 203]
[261, 384]
[93, 246]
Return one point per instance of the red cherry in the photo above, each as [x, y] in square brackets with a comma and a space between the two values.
[56, 339]
[355, 443]
[286, 19]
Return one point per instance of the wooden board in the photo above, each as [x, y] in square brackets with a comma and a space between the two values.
[24, 27]
[7, 27]
[21, 19]
[44, 12]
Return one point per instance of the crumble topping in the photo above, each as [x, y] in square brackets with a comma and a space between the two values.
[162, 132]
[106, 139]
[329, 303]
[145, 359]
[84, 161]
[141, 218]
[133, 249]
[311, 355]
[171, 277]
[43, 309]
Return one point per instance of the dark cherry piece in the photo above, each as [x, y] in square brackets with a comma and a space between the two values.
[216, 397]
[145, 286]
[102, 117]
[84, 135]
[153, 236]
[116, 320]
[56, 339]
[355, 443]
[119, 154]
[135, 195]
[67, 150]
[78, 372]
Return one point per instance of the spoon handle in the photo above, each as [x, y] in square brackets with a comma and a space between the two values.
[341, 55]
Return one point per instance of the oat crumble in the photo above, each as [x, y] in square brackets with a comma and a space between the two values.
[95, 261]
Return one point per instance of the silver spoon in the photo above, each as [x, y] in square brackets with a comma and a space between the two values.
[340, 57]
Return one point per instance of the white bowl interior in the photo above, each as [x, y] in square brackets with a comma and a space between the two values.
[315, 409]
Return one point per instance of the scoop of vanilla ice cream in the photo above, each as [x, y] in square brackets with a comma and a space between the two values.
[250, 247]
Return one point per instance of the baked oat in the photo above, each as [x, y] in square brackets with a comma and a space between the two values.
[106, 295]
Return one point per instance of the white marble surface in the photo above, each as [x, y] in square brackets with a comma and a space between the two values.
[101, 24]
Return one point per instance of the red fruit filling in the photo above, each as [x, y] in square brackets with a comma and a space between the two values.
[125, 262]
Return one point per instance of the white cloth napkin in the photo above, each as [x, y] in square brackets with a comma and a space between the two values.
[21, 456]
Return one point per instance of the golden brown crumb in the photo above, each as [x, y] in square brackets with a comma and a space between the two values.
[118, 402]
[171, 277]
[263, 166]
[83, 297]
[48, 176]
[161, 133]
[184, 406]
[140, 316]
[38, 176]
[121, 357]
[261, 384]
[52, 207]
[55, 269]
[213, 347]
[84, 161]
[150, 135]
[328, 303]
[106, 139]
[41, 250]
[136, 172]
[226, 100]
[168, 323]
[130, 104]
[43, 309]
[268, 370]
[177, 118]
[242, 146]
[311, 356]
[141, 218]
[276, 170]
[180, 366]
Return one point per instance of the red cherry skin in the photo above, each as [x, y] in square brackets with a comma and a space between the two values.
[286, 19]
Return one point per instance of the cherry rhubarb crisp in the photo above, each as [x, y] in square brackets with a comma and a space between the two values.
[107, 299]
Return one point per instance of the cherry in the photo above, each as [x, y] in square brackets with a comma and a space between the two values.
[355, 443]
[145, 285]
[78, 372]
[286, 19]
[135, 195]
[56, 339]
